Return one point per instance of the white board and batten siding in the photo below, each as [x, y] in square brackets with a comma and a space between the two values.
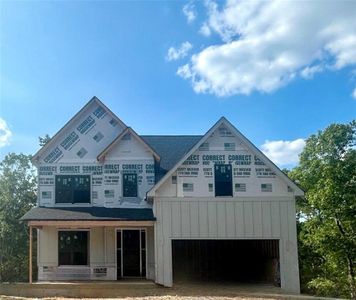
[196, 213]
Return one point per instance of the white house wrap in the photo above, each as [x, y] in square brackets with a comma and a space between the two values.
[114, 204]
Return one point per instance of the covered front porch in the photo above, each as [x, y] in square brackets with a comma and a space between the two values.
[79, 249]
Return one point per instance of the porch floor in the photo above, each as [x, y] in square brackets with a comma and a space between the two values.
[134, 289]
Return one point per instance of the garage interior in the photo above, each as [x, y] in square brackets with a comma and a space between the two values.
[240, 261]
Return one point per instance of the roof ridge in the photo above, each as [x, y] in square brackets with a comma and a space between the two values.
[172, 135]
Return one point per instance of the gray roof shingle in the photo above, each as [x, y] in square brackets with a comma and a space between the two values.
[88, 214]
[171, 148]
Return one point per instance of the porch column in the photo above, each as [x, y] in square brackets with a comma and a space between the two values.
[30, 257]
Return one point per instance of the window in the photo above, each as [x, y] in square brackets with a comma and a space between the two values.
[130, 185]
[266, 187]
[73, 248]
[223, 180]
[240, 187]
[73, 189]
[188, 187]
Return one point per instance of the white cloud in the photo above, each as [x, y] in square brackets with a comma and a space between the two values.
[354, 93]
[308, 72]
[283, 153]
[178, 53]
[266, 44]
[189, 12]
[5, 133]
[205, 30]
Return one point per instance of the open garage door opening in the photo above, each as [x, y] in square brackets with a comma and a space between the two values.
[242, 261]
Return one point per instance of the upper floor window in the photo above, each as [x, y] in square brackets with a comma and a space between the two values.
[129, 183]
[223, 180]
[72, 188]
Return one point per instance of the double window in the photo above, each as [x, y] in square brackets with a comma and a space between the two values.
[73, 248]
[73, 189]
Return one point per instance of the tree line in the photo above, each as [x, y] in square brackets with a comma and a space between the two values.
[326, 215]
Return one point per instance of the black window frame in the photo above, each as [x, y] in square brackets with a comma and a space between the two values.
[124, 191]
[77, 255]
[71, 193]
[223, 188]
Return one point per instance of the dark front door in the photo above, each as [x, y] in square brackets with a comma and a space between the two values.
[131, 253]
[223, 180]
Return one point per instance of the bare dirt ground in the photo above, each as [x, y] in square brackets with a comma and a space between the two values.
[178, 292]
[141, 298]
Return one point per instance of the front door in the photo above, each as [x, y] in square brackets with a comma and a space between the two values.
[131, 253]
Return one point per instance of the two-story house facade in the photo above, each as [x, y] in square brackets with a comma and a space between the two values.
[114, 204]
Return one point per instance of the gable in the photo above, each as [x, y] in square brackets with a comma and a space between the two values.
[83, 137]
[128, 146]
[224, 144]
[128, 143]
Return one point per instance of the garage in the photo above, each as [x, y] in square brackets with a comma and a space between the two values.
[241, 261]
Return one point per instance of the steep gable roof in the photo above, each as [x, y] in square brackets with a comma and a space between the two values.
[72, 120]
[128, 130]
[249, 145]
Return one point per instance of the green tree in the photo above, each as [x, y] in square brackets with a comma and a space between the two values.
[44, 140]
[327, 227]
[17, 196]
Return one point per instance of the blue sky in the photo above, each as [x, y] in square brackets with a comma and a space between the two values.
[56, 55]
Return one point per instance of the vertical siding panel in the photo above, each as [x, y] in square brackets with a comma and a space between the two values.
[185, 219]
[284, 220]
[239, 219]
[167, 219]
[292, 226]
[221, 215]
[110, 245]
[159, 244]
[212, 225]
[276, 219]
[248, 218]
[167, 253]
[176, 220]
[230, 219]
[266, 219]
[257, 219]
[194, 219]
[203, 219]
